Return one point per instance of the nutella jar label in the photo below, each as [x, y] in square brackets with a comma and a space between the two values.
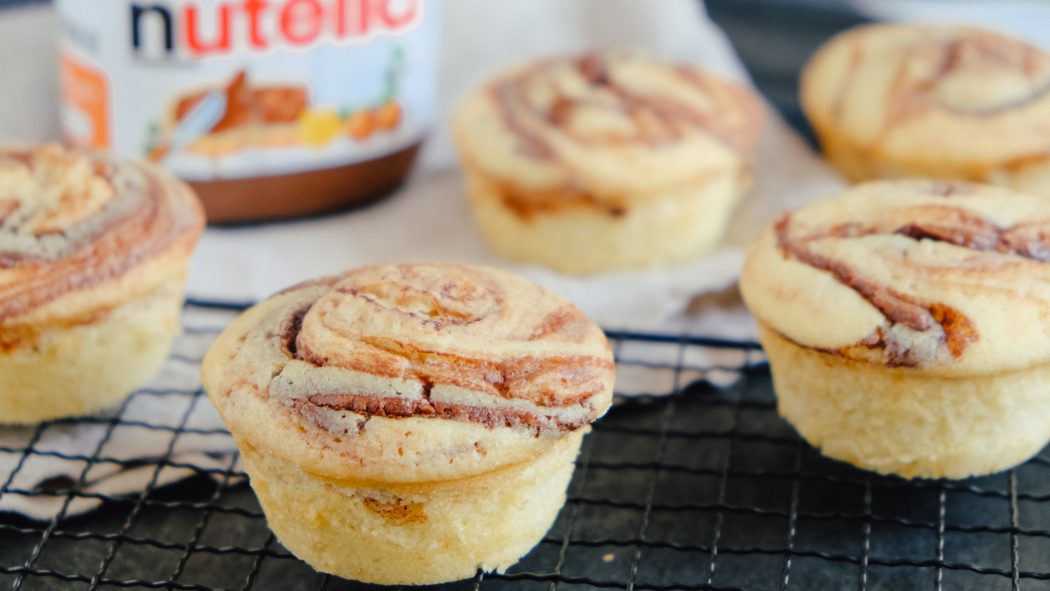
[233, 89]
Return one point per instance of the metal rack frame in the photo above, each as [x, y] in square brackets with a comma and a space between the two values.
[704, 490]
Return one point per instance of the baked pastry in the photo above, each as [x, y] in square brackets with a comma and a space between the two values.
[93, 255]
[898, 100]
[906, 325]
[605, 161]
[412, 423]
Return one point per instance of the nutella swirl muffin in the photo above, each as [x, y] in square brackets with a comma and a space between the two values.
[410, 424]
[605, 161]
[93, 255]
[895, 100]
[906, 325]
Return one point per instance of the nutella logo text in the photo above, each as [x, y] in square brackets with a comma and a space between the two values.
[197, 29]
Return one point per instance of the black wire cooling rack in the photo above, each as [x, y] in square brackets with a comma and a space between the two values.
[706, 489]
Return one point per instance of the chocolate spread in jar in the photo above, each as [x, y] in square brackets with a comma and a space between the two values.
[305, 193]
[270, 109]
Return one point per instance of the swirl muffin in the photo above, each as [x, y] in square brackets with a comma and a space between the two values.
[93, 255]
[410, 424]
[906, 325]
[605, 161]
[896, 100]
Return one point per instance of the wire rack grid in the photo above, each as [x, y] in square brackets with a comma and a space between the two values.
[705, 489]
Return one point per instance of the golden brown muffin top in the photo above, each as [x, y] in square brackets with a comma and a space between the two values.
[73, 222]
[948, 277]
[467, 366]
[614, 124]
[932, 94]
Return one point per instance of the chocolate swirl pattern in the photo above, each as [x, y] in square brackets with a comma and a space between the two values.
[963, 71]
[72, 221]
[601, 100]
[432, 341]
[595, 126]
[921, 270]
[894, 100]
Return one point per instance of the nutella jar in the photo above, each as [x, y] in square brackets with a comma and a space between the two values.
[268, 108]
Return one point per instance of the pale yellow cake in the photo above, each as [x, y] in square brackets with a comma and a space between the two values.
[605, 161]
[93, 255]
[412, 423]
[900, 100]
[907, 323]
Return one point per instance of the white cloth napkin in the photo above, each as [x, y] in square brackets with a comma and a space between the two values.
[428, 219]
